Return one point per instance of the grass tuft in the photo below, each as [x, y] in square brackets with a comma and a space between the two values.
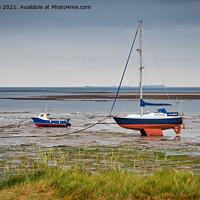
[57, 175]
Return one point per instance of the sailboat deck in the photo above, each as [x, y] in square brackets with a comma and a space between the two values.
[150, 116]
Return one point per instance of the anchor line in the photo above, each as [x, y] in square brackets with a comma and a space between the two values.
[77, 131]
[12, 125]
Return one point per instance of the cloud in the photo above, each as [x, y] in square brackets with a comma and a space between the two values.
[90, 47]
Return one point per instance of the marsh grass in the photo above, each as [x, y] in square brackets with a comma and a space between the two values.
[113, 173]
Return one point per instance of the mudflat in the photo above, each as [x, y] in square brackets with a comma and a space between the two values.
[111, 96]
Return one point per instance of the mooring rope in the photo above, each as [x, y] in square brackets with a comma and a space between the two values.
[81, 130]
[12, 125]
[76, 131]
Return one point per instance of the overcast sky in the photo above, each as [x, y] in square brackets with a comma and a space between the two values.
[89, 47]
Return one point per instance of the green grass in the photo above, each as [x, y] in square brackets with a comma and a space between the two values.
[111, 184]
[115, 173]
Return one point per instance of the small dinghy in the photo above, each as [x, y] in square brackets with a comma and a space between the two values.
[43, 121]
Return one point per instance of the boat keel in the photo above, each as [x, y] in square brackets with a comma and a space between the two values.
[177, 129]
[151, 131]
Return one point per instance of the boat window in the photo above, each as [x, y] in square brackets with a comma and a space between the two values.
[41, 115]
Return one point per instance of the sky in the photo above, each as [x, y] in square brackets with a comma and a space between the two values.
[89, 47]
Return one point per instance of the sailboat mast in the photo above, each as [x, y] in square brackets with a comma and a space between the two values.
[141, 67]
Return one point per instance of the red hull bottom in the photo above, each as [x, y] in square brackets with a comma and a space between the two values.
[156, 130]
[50, 125]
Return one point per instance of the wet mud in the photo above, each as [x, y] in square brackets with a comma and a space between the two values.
[109, 96]
[19, 134]
[17, 128]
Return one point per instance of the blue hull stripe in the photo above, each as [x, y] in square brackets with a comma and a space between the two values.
[133, 121]
[39, 121]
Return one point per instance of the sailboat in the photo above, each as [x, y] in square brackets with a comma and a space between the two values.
[149, 123]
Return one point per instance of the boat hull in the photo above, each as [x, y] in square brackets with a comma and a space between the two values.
[50, 123]
[149, 126]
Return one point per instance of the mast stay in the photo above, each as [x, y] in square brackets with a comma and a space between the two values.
[124, 71]
[142, 102]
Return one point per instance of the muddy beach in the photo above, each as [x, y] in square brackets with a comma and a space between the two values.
[19, 135]
[109, 96]
[18, 130]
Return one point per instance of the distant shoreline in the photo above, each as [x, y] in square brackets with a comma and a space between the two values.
[109, 96]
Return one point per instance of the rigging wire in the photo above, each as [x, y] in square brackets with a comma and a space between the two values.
[158, 65]
[124, 71]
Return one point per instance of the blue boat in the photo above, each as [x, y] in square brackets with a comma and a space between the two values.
[43, 121]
